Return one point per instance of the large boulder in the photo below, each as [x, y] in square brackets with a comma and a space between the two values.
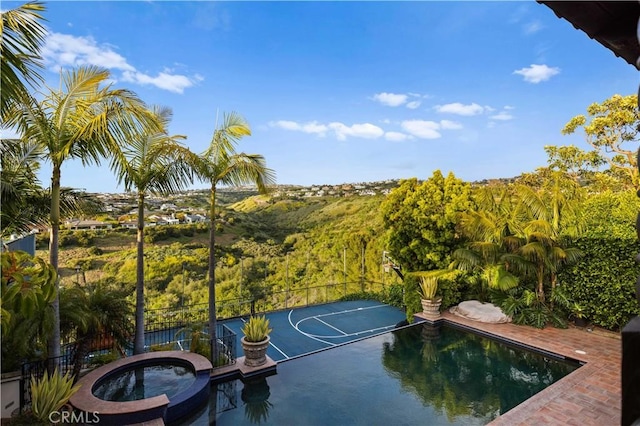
[479, 311]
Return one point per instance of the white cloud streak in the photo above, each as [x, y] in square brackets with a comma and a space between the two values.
[502, 116]
[411, 129]
[365, 130]
[64, 50]
[397, 136]
[450, 125]
[422, 129]
[341, 130]
[312, 127]
[390, 99]
[532, 27]
[537, 73]
[398, 99]
[460, 109]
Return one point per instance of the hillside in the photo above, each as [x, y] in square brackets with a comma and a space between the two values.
[263, 245]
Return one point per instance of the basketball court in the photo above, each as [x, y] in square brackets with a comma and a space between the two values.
[302, 331]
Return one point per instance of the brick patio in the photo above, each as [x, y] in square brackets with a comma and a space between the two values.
[589, 396]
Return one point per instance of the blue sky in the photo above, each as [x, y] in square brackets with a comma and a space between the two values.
[341, 92]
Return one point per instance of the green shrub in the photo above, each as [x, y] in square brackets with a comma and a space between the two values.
[95, 251]
[603, 281]
[162, 347]
[104, 359]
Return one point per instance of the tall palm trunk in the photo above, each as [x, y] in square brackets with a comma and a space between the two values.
[54, 339]
[138, 344]
[81, 350]
[212, 275]
[541, 283]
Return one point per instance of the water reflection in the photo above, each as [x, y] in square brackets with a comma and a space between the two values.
[461, 374]
[255, 396]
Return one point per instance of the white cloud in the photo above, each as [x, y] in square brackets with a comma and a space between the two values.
[413, 104]
[422, 129]
[64, 50]
[460, 109]
[503, 116]
[312, 127]
[342, 131]
[508, 107]
[171, 82]
[537, 73]
[450, 125]
[532, 27]
[396, 136]
[365, 130]
[390, 99]
[285, 124]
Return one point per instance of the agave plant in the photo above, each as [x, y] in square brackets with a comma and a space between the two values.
[50, 393]
[256, 329]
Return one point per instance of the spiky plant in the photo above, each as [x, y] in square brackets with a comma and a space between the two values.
[50, 393]
[256, 329]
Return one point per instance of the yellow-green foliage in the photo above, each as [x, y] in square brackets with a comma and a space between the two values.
[256, 329]
[428, 287]
[50, 393]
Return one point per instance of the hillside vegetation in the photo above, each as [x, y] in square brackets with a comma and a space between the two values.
[263, 246]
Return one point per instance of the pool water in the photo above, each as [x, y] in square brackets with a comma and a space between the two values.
[415, 375]
[142, 382]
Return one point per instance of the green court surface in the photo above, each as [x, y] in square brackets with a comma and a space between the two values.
[301, 331]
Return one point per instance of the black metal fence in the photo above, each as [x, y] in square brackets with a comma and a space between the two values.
[102, 347]
[172, 328]
[168, 318]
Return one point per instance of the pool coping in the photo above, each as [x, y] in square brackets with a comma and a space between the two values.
[591, 395]
[241, 371]
[144, 410]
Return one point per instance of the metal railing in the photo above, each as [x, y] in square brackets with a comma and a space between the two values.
[227, 355]
[165, 318]
[170, 328]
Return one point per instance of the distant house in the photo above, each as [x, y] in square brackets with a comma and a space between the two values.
[194, 218]
[170, 220]
[77, 224]
[168, 206]
[129, 225]
[164, 220]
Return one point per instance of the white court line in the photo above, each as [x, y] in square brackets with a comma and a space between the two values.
[307, 334]
[271, 344]
[278, 349]
[357, 333]
[348, 310]
[329, 325]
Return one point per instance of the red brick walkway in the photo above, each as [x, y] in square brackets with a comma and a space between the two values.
[589, 396]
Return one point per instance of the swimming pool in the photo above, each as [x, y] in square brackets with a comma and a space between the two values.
[415, 375]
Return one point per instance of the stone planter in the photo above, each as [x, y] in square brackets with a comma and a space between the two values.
[431, 307]
[255, 353]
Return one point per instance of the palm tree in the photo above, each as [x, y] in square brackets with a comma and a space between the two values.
[82, 120]
[22, 36]
[492, 248]
[151, 162]
[220, 164]
[95, 313]
[553, 214]
[25, 204]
